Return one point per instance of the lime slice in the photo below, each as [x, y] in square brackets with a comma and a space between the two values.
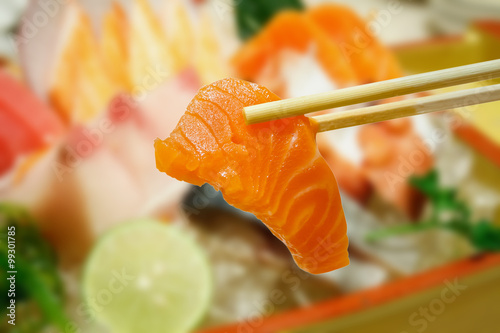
[147, 277]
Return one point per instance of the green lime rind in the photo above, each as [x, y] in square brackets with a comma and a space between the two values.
[145, 276]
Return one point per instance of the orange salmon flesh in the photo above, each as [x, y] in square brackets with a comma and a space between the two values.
[273, 170]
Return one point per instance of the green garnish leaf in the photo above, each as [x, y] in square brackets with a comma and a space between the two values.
[252, 15]
[486, 236]
[37, 280]
[447, 212]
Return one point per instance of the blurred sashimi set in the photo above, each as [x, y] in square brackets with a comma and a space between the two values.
[94, 238]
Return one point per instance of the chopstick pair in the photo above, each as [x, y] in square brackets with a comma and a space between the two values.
[386, 89]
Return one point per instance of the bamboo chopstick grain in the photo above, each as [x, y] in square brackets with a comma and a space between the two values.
[372, 91]
[405, 108]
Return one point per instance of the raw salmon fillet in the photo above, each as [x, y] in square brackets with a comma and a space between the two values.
[273, 170]
[291, 30]
[367, 56]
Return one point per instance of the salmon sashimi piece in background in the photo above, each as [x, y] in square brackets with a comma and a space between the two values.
[393, 152]
[273, 170]
[291, 30]
[370, 60]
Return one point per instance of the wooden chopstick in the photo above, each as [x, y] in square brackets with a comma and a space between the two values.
[406, 108]
[372, 91]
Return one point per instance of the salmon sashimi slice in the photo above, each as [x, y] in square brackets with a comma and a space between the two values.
[393, 152]
[113, 46]
[273, 170]
[291, 30]
[371, 60]
[80, 87]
